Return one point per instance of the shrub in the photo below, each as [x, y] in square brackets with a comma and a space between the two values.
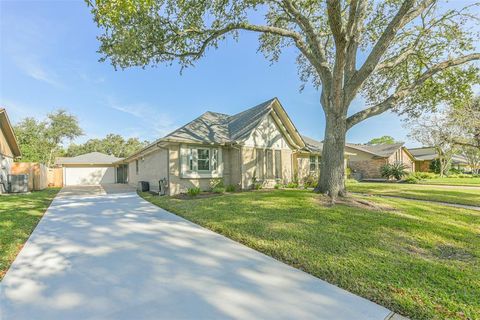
[394, 170]
[257, 186]
[194, 191]
[231, 188]
[425, 175]
[218, 190]
[411, 179]
[351, 181]
[277, 186]
[310, 181]
[291, 185]
[216, 183]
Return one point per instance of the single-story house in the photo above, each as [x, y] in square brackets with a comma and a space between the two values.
[91, 169]
[260, 145]
[425, 155]
[9, 149]
[368, 159]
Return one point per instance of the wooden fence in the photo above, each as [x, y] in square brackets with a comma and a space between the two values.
[39, 175]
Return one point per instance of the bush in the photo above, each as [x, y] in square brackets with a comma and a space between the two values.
[218, 190]
[310, 181]
[193, 191]
[411, 179]
[394, 170]
[351, 181]
[278, 186]
[291, 185]
[216, 183]
[231, 188]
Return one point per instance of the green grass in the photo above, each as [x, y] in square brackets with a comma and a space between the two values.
[451, 195]
[19, 215]
[453, 181]
[420, 260]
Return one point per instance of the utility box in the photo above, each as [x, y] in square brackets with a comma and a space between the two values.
[18, 183]
[143, 186]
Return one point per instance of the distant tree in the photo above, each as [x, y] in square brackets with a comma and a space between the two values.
[113, 144]
[41, 141]
[400, 55]
[436, 131]
[382, 140]
[472, 155]
[466, 117]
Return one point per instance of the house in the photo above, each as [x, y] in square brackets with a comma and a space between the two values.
[368, 159]
[9, 149]
[425, 155]
[259, 145]
[91, 169]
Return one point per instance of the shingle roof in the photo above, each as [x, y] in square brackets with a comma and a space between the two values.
[379, 150]
[312, 144]
[424, 153]
[7, 129]
[213, 127]
[88, 158]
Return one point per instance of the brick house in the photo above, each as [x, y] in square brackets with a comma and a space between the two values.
[367, 160]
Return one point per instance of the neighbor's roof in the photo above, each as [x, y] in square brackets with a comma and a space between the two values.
[7, 129]
[424, 153]
[379, 150]
[219, 128]
[88, 158]
[312, 144]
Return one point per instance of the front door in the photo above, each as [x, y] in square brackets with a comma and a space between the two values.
[122, 173]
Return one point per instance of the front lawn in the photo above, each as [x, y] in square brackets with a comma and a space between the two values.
[19, 215]
[453, 181]
[458, 195]
[420, 260]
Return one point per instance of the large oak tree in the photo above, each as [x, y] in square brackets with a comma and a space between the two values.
[401, 55]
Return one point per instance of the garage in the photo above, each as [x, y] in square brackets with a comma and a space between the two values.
[89, 169]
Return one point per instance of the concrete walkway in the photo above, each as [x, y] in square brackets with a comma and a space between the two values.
[105, 253]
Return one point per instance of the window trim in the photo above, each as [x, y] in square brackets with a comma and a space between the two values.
[189, 162]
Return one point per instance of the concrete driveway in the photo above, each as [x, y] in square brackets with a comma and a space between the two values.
[105, 253]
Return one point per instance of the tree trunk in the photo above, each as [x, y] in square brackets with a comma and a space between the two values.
[332, 168]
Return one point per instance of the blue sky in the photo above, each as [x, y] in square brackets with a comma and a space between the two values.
[48, 60]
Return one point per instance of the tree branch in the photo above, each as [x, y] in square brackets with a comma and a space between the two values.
[405, 14]
[392, 100]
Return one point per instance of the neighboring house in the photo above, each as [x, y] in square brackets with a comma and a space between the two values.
[425, 155]
[9, 149]
[91, 169]
[260, 144]
[368, 159]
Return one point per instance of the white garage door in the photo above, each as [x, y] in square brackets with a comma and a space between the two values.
[89, 175]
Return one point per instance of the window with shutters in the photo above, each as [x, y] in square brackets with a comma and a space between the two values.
[199, 162]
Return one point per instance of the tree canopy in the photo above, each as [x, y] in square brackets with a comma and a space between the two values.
[41, 141]
[382, 140]
[402, 55]
[112, 144]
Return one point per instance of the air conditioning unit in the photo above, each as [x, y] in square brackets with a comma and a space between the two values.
[18, 183]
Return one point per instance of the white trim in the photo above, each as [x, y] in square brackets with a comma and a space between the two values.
[185, 171]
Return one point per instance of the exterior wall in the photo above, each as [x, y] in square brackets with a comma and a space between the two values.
[267, 135]
[422, 166]
[402, 156]
[152, 168]
[5, 149]
[369, 169]
[5, 169]
[302, 166]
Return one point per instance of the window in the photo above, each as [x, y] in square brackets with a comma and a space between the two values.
[269, 164]
[278, 164]
[260, 162]
[203, 159]
[314, 163]
[136, 166]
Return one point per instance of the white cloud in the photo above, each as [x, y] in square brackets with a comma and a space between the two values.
[31, 67]
[154, 120]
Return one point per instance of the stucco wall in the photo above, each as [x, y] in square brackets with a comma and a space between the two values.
[151, 167]
[267, 135]
[302, 166]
